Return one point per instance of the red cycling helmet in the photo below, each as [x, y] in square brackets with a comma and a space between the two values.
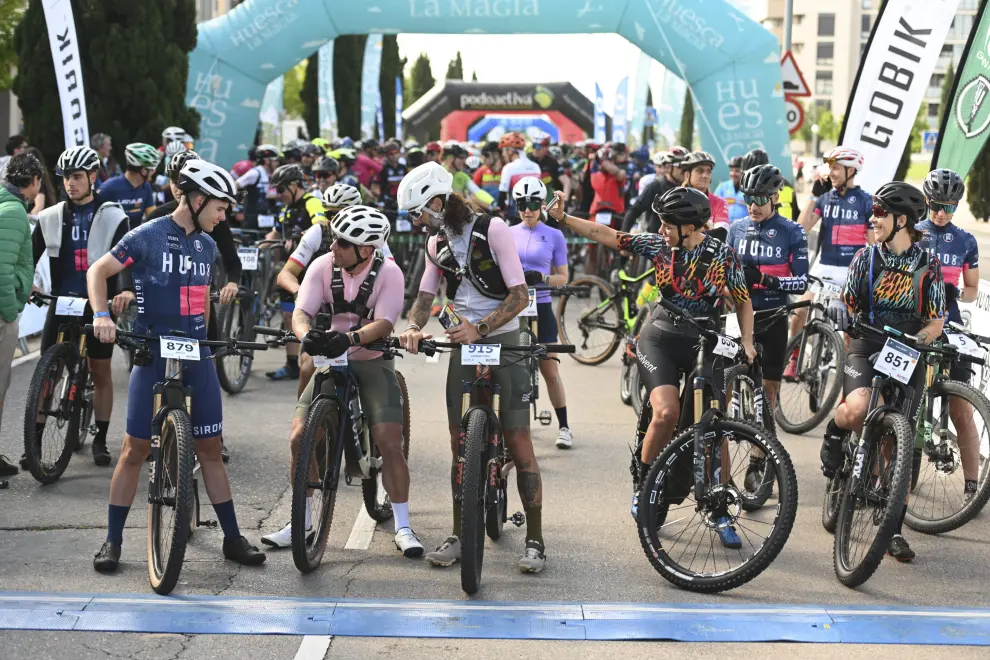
[512, 141]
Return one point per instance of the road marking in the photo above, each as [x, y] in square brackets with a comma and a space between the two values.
[313, 647]
[25, 358]
[362, 532]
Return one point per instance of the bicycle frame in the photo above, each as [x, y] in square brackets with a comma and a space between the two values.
[345, 393]
[169, 394]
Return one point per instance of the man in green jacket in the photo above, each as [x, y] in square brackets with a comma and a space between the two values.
[22, 181]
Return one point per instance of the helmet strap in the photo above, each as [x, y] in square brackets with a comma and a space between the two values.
[360, 260]
[194, 213]
[894, 230]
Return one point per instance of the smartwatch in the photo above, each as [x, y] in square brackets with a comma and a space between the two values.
[483, 329]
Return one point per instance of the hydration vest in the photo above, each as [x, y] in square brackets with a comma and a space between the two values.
[877, 268]
[106, 220]
[667, 290]
[359, 305]
[481, 268]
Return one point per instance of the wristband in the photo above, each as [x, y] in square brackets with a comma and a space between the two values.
[412, 326]
[100, 315]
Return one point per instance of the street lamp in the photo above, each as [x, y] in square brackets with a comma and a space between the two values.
[814, 141]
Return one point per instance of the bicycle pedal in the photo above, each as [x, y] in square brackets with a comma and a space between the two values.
[545, 418]
[212, 524]
[518, 519]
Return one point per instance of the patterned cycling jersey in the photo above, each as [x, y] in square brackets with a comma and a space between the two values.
[777, 247]
[698, 293]
[905, 287]
[171, 272]
[956, 250]
[845, 220]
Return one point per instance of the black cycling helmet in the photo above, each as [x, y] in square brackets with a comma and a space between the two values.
[310, 149]
[754, 158]
[902, 199]
[326, 164]
[944, 185]
[490, 148]
[21, 170]
[291, 152]
[683, 206]
[696, 158]
[287, 174]
[174, 165]
[455, 150]
[736, 161]
[761, 180]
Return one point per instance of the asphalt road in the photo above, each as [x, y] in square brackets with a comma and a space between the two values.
[48, 536]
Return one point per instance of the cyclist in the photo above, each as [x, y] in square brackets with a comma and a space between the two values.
[959, 255]
[325, 171]
[693, 269]
[308, 155]
[301, 211]
[170, 260]
[543, 253]
[551, 173]
[608, 180]
[487, 301]
[434, 152]
[788, 206]
[391, 175]
[255, 182]
[517, 165]
[171, 135]
[845, 211]
[672, 177]
[697, 167]
[366, 168]
[731, 193]
[132, 189]
[488, 176]
[893, 282]
[453, 161]
[774, 254]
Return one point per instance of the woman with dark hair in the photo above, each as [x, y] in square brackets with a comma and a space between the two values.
[46, 196]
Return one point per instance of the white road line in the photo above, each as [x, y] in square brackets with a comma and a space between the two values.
[25, 358]
[313, 647]
[361, 533]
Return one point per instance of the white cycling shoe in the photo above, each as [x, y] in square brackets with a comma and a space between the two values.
[283, 537]
[565, 439]
[408, 543]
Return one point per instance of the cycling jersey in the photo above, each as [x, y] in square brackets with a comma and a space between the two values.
[733, 197]
[845, 221]
[255, 183]
[488, 180]
[171, 273]
[389, 179]
[465, 187]
[720, 211]
[222, 235]
[777, 247]
[512, 173]
[135, 201]
[366, 169]
[957, 251]
[699, 293]
[299, 216]
[315, 243]
[72, 271]
[905, 288]
[541, 248]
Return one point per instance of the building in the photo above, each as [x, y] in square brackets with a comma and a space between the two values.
[827, 40]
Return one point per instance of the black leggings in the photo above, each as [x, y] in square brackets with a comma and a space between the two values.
[663, 356]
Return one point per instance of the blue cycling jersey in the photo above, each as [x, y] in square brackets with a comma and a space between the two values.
[73, 270]
[845, 221]
[733, 197]
[136, 201]
[956, 250]
[171, 272]
[777, 247]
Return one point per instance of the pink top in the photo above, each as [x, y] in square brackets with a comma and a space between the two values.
[365, 169]
[503, 247]
[720, 211]
[386, 296]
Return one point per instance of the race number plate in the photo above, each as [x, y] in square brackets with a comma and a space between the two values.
[324, 361]
[484, 354]
[180, 348]
[603, 217]
[266, 221]
[531, 307]
[726, 347]
[897, 361]
[965, 345]
[66, 306]
[248, 257]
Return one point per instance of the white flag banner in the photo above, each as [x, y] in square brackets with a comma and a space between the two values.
[68, 70]
[894, 75]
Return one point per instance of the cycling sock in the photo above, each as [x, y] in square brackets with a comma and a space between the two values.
[833, 428]
[292, 361]
[400, 512]
[457, 518]
[534, 523]
[116, 517]
[900, 521]
[101, 432]
[227, 519]
[562, 417]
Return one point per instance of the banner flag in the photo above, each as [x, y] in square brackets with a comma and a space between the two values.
[619, 121]
[68, 71]
[370, 90]
[600, 136]
[328, 101]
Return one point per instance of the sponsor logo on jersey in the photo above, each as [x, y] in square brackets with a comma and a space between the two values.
[852, 372]
[948, 237]
[198, 245]
[771, 233]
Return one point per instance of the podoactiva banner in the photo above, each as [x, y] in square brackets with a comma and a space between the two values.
[965, 122]
[68, 70]
[893, 76]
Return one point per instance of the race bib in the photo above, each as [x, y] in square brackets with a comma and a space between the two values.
[248, 257]
[531, 307]
[180, 348]
[403, 225]
[603, 217]
[965, 345]
[324, 361]
[483, 354]
[831, 290]
[266, 221]
[732, 326]
[726, 347]
[65, 306]
[897, 361]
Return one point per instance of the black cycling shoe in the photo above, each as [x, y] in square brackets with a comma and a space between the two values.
[107, 559]
[8, 469]
[899, 549]
[224, 454]
[240, 550]
[831, 451]
[101, 455]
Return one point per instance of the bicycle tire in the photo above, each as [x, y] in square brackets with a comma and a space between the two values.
[84, 412]
[825, 405]
[496, 515]
[380, 511]
[242, 332]
[751, 500]
[412, 286]
[970, 508]
[653, 502]
[630, 365]
[831, 501]
[853, 576]
[637, 391]
[572, 335]
[473, 499]
[308, 547]
[165, 564]
[60, 357]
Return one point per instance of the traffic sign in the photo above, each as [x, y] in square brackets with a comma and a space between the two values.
[795, 115]
[794, 84]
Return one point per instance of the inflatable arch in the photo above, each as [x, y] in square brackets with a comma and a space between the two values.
[731, 63]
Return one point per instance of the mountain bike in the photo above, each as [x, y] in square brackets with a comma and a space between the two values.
[336, 435]
[173, 499]
[689, 496]
[805, 401]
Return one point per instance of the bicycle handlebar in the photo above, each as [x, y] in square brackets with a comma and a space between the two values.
[863, 328]
[138, 340]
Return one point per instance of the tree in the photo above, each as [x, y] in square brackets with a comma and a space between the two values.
[649, 132]
[913, 145]
[421, 78]
[455, 70]
[686, 135]
[292, 93]
[474, 76]
[132, 98]
[392, 66]
[950, 75]
[309, 94]
[348, 62]
[978, 185]
[11, 13]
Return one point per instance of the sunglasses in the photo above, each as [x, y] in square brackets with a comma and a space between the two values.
[533, 205]
[322, 175]
[759, 200]
[880, 211]
[342, 242]
[942, 206]
[281, 189]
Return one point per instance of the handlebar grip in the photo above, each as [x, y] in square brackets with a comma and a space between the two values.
[88, 328]
[561, 348]
[252, 346]
[265, 330]
[669, 306]
[801, 304]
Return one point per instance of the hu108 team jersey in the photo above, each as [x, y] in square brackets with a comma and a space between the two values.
[777, 247]
[845, 220]
[956, 250]
[171, 272]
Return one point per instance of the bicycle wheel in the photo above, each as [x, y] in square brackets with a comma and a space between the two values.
[629, 362]
[234, 370]
[474, 490]
[755, 491]
[625, 381]
[938, 501]
[316, 468]
[412, 284]
[377, 502]
[591, 321]
[831, 501]
[637, 391]
[804, 403]
[168, 518]
[83, 412]
[48, 448]
[872, 498]
[679, 534]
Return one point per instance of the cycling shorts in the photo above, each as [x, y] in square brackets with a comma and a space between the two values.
[381, 398]
[95, 349]
[511, 376]
[772, 337]
[859, 370]
[207, 404]
[663, 356]
[837, 274]
[546, 322]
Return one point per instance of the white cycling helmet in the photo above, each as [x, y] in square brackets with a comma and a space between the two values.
[846, 157]
[205, 177]
[361, 225]
[77, 159]
[472, 162]
[174, 133]
[173, 148]
[529, 187]
[340, 194]
[425, 182]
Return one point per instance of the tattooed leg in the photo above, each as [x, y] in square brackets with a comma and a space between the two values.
[528, 480]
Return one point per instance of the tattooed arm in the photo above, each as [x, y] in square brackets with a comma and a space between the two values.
[510, 308]
[301, 322]
[599, 233]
